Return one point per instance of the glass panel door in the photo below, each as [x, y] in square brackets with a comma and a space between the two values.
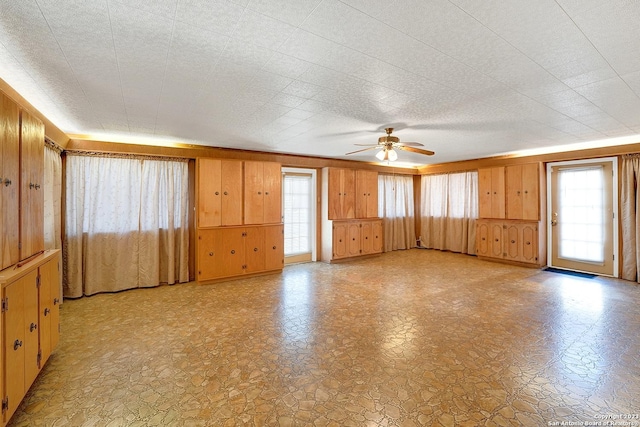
[581, 216]
[299, 215]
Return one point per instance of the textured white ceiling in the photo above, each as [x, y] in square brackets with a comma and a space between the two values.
[466, 78]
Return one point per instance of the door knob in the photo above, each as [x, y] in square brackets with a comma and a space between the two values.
[554, 220]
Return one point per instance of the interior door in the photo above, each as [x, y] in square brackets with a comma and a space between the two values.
[581, 215]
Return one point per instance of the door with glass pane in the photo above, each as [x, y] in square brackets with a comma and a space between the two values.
[298, 190]
[582, 229]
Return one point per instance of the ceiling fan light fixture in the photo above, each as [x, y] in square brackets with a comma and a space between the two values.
[388, 154]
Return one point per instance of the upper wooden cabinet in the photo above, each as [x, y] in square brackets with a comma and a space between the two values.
[219, 192]
[510, 192]
[262, 193]
[366, 194]
[342, 193]
[31, 183]
[522, 191]
[491, 192]
[9, 181]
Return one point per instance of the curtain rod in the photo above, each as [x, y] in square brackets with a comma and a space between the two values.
[82, 153]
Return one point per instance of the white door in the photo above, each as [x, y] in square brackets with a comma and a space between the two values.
[582, 212]
[299, 214]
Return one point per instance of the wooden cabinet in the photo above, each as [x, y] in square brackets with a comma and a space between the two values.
[366, 194]
[219, 184]
[341, 193]
[235, 251]
[355, 238]
[522, 183]
[515, 241]
[262, 193]
[31, 182]
[9, 181]
[491, 192]
[30, 320]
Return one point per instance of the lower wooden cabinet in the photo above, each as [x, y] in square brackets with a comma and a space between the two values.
[30, 325]
[353, 238]
[515, 241]
[236, 251]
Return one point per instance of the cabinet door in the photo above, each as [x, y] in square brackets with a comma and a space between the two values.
[497, 193]
[31, 333]
[49, 312]
[335, 193]
[530, 192]
[529, 240]
[495, 247]
[353, 246]
[377, 237]
[253, 193]
[274, 247]
[483, 238]
[233, 249]
[14, 342]
[366, 237]
[349, 194]
[340, 236]
[484, 193]
[231, 188]
[9, 180]
[514, 191]
[255, 251]
[366, 199]
[272, 182]
[209, 193]
[209, 257]
[512, 242]
[31, 191]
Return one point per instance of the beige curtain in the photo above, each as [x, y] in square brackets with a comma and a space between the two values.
[52, 186]
[126, 224]
[629, 199]
[395, 207]
[52, 197]
[449, 208]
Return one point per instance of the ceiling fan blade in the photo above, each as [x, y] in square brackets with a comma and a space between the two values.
[415, 150]
[367, 145]
[412, 144]
[364, 149]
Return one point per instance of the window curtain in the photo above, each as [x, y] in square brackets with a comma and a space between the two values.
[52, 208]
[629, 199]
[126, 223]
[52, 187]
[449, 208]
[396, 208]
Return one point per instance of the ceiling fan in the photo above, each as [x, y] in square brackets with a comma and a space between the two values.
[388, 145]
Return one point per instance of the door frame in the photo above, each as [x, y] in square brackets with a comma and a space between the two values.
[615, 203]
[314, 204]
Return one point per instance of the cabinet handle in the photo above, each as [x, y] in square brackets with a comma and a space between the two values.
[368, 194]
[497, 240]
[210, 253]
[46, 311]
[17, 344]
[526, 192]
[266, 193]
[37, 186]
[56, 301]
[366, 238]
[233, 252]
[274, 247]
[354, 239]
[340, 240]
[518, 192]
[513, 241]
[225, 193]
[217, 193]
[528, 243]
[259, 192]
[31, 185]
[7, 182]
[255, 249]
[33, 327]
